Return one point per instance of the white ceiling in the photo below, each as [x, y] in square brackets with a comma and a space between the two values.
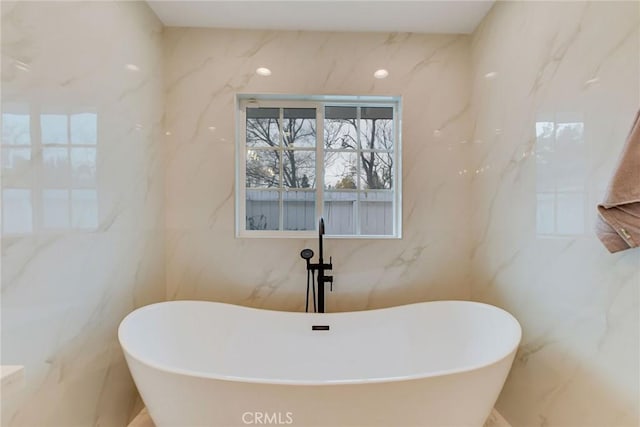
[421, 16]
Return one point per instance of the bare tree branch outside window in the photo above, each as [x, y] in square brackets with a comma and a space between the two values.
[376, 133]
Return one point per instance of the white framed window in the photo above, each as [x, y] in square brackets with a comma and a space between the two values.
[299, 158]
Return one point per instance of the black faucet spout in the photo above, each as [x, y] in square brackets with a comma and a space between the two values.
[320, 237]
[322, 267]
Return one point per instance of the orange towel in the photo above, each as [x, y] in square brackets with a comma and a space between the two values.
[618, 225]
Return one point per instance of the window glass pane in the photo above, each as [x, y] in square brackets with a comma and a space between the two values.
[263, 168]
[340, 128]
[340, 170]
[263, 127]
[376, 213]
[16, 129]
[340, 113]
[299, 127]
[84, 128]
[299, 169]
[17, 211]
[54, 128]
[55, 207]
[262, 210]
[83, 167]
[376, 128]
[339, 212]
[299, 113]
[299, 210]
[376, 170]
[263, 113]
[56, 167]
[376, 113]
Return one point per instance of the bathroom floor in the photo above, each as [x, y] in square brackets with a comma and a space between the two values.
[144, 420]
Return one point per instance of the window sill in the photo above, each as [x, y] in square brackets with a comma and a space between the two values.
[308, 235]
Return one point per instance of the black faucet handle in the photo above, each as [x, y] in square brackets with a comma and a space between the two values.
[329, 279]
[330, 265]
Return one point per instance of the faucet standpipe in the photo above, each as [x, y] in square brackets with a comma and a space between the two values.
[320, 267]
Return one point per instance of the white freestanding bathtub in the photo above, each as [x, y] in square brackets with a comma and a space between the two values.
[210, 364]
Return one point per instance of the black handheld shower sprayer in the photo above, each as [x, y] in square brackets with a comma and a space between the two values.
[307, 254]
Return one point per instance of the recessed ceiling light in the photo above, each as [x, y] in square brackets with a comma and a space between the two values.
[490, 75]
[21, 65]
[262, 71]
[132, 67]
[592, 81]
[381, 73]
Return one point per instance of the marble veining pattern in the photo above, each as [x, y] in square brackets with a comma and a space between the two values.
[509, 138]
[555, 88]
[204, 70]
[82, 197]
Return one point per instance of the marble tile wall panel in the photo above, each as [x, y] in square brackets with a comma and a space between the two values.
[205, 69]
[555, 91]
[82, 202]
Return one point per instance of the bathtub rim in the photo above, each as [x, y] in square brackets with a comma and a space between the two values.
[244, 379]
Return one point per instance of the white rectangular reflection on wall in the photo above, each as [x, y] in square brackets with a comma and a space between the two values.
[16, 164]
[561, 175]
[49, 164]
[54, 129]
[55, 209]
[17, 211]
[55, 167]
[84, 209]
[83, 167]
[84, 129]
[16, 129]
